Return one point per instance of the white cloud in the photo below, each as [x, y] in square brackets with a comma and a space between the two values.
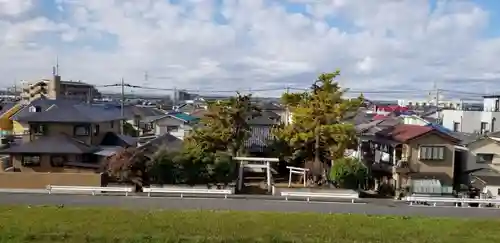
[14, 7]
[377, 44]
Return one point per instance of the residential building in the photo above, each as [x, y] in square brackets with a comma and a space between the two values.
[56, 88]
[473, 121]
[40, 104]
[67, 137]
[177, 124]
[408, 154]
[485, 152]
[483, 164]
[261, 135]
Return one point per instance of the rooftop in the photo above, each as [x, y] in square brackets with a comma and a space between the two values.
[71, 113]
[59, 144]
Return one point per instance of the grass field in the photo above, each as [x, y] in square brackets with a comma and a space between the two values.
[75, 225]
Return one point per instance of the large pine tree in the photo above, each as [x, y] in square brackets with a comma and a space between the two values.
[318, 133]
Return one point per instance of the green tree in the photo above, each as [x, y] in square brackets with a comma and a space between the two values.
[164, 168]
[318, 133]
[348, 173]
[225, 126]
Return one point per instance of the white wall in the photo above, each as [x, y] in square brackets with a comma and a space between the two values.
[490, 104]
[470, 121]
[161, 127]
[414, 120]
[493, 190]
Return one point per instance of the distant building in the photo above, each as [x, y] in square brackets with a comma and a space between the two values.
[56, 88]
[475, 120]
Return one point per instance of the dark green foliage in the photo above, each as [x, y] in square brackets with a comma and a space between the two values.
[318, 133]
[348, 173]
[129, 130]
[192, 167]
[164, 169]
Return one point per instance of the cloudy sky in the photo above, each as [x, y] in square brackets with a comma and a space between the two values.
[254, 44]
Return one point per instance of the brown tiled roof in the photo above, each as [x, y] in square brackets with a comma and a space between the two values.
[403, 132]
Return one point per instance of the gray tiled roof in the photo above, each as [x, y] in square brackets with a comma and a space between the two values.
[167, 141]
[43, 103]
[70, 113]
[265, 119]
[488, 176]
[113, 139]
[58, 144]
[6, 106]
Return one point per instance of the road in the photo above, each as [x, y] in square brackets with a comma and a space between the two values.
[371, 208]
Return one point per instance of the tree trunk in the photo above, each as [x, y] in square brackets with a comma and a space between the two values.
[316, 166]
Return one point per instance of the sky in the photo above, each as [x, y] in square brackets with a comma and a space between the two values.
[254, 44]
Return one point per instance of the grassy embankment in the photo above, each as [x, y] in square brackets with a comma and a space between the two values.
[75, 225]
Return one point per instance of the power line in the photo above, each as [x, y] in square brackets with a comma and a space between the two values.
[359, 91]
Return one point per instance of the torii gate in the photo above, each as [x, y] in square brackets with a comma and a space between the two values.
[265, 164]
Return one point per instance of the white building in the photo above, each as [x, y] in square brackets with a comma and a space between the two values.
[469, 121]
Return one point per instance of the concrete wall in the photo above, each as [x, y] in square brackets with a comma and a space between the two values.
[444, 166]
[41, 180]
[45, 165]
[470, 121]
[58, 128]
[484, 146]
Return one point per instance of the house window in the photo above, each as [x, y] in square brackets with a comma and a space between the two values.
[484, 126]
[81, 130]
[87, 158]
[484, 158]
[96, 129]
[432, 152]
[39, 129]
[31, 160]
[35, 109]
[456, 126]
[58, 160]
[112, 124]
[172, 128]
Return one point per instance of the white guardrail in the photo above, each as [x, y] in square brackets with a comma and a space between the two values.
[454, 200]
[93, 190]
[309, 195]
[188, 191]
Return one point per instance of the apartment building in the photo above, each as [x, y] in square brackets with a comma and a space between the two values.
[56, 88]
[475, 121]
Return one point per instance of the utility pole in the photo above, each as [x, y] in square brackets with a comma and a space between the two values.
[122, 104]
[175, 96]
[287, 117]
[437, 92]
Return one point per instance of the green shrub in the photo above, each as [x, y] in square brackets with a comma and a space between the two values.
[348, 173]
[164, 168]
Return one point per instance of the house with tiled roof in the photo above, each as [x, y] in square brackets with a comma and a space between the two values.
[407, 153]
[483, 163]
[178, 124]
[65, 136]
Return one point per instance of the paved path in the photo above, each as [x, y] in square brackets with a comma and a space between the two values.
[243, 205]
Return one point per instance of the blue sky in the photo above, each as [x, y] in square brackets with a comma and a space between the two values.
[250, 44]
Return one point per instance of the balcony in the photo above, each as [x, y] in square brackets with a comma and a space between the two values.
[401, 167]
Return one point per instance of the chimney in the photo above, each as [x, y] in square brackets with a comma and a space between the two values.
[54, 87]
